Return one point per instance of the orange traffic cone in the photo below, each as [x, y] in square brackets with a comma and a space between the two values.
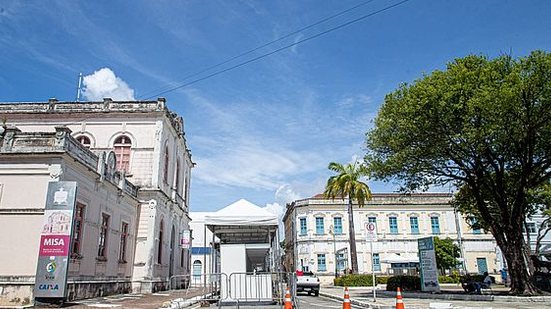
[399, 300]
[288, 304]
[346, 301]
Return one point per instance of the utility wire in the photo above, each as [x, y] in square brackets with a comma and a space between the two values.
[268, 54]
[280, 49]
[260, 47]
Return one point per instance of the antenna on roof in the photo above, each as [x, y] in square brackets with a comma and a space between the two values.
[79, 87]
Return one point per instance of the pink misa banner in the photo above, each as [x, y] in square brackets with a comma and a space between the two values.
[54, 245]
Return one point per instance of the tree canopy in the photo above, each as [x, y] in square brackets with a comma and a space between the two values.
[482, 125]
[447, 253]
[347, 183]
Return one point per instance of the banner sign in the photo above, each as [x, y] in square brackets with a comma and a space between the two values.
[185, 242]
[55, 240]
[427, 263]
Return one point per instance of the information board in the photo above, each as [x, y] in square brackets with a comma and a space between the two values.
[427, 263]
[55, 241]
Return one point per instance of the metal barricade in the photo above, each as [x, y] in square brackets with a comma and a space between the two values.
[258, 287]
[199, 288]
[237, 288]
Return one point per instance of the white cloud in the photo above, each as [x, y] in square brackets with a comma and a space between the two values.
[104, 84]
[286, 194]
[354, 101]
[279, 211]
[297, 39]
[249, 165]
[276, 209]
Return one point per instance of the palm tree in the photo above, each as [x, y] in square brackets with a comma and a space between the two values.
[346, 184]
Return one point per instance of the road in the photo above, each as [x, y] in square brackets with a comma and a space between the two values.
[311, 302]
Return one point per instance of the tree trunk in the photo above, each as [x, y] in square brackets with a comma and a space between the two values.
[352, 238]
[508, 234]
[518, 262]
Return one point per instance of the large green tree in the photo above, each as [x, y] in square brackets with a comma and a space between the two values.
[347, 184]
[482, 125]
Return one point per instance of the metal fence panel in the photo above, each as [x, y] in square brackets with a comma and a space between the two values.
[239, 288]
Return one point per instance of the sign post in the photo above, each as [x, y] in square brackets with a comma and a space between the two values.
[55, 241]
[371, 236]
[427, 263]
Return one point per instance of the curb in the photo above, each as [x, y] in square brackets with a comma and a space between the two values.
[469, 297]
[438, 296]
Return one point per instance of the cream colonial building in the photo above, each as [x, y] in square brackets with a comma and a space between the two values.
[316, 234]
[132, 167]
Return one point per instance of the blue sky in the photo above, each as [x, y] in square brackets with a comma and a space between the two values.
[265, 131]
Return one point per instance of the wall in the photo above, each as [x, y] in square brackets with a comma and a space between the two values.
[232, 260]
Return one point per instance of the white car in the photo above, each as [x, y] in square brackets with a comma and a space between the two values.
[308, 282]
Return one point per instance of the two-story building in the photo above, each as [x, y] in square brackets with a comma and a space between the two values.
[316, 234]
[144, 142]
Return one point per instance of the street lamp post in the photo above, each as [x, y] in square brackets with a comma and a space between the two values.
[332, 231]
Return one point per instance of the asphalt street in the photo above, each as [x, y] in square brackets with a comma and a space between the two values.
[312, 302]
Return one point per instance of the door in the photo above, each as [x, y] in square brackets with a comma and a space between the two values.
[482, 265]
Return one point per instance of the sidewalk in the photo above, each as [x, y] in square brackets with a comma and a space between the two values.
[451, 296]
[139, 301]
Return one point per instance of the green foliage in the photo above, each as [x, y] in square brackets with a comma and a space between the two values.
[406, 283]
[354, 280]
[482, 125]
[447, 253]
[359, 280]
[449, 123]
[347, 183]
[449, 279]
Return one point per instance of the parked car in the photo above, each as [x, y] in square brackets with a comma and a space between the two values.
[308, 282]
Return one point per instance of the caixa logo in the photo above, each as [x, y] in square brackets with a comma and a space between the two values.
[50, 287]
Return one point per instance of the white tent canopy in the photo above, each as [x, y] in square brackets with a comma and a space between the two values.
[241, 212]
[242, 222]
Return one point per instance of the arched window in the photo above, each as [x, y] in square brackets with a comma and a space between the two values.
[160, 244]
[197, 266]
[85, 141]
[165, 170]
[122, 147]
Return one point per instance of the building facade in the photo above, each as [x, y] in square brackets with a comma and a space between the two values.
[538, 227]
[316, 234]
[106, 212]
[202, 248]
[144, 143]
